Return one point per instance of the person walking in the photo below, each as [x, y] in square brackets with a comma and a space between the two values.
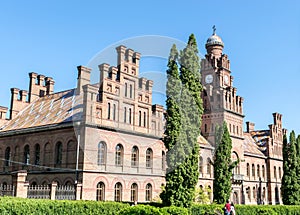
[232, 209]
[227, 208]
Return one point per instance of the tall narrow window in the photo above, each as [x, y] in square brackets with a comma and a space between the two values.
[248, 169]
[126, 86]
[119, 155]
[201, 165]
[101, 153]
[275, 173]
[279, 171]
[129, 115]
[37, 153]
[47, 154]
[134, 192]
[134, 156]
[100, 195]
[7, 156]
[114, 112]
[258, 171]
[263, 171]
[58, 154]
[130, 90]
[125, 110]
[118, 192]
[208, 167]
[108, 110]
[145, 118]
[205, 128]
[254, 193]
[71, 154]
[148, 192]
[140, 118]
[149, 158]
[26, 155]
[253, 170]
[163, 161]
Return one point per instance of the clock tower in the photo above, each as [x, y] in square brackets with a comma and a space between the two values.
[220, 100]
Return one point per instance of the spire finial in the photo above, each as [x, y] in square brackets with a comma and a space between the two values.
[214, 30]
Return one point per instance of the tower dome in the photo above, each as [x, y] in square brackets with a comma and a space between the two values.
[214, 44]
[214, 39]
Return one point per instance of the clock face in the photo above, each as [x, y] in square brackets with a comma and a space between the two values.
[226, 79]
[209, 79]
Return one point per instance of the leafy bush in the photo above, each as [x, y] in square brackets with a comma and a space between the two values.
[174, 211]
[140, 210]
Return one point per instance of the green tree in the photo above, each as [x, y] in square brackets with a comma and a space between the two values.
[222, 165]
[172, 132]
[290, 184]
[183, 120]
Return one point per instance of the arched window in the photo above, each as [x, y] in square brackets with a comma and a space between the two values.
[47, 154]
[58, 154]
[7, 156]
[205, 128]
[279, 171]
[102, 153]
[208, 167]
[140, 118]
[264, 194]
[119, 155]
[114, 111]
[163, 161]
[118, 192]
[37, 154]
[258, 171]
[248, 169]
[145, 119]
[253, 170]
[71, 154]
[235, 157]
[100, 195]
[26, 155]
[263, 171]
[134, 157]
[126, 86]
[16, 158]
[125, 114]
[108, 110]
[149, 158]
[148, 192]
[130, 115]
[248, 191]
[254, 193]
[201, 165]
[130, 90]
[275, 172]
[134, 192]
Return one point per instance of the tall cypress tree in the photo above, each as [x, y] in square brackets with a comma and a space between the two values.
[286, 178]
[191, 110]
[184, 110]
[223, 165]
[172, 132]
[290, 183]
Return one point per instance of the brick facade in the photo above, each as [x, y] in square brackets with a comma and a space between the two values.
[118, 133]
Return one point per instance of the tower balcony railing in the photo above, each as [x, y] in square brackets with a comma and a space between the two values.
[237, 178]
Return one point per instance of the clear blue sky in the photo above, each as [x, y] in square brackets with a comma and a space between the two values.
[262, 39]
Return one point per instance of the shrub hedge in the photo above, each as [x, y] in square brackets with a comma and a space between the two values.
[18, 206]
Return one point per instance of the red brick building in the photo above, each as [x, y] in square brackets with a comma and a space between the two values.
[107, 136]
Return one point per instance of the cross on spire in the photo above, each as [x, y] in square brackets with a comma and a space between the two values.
[214, 30]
